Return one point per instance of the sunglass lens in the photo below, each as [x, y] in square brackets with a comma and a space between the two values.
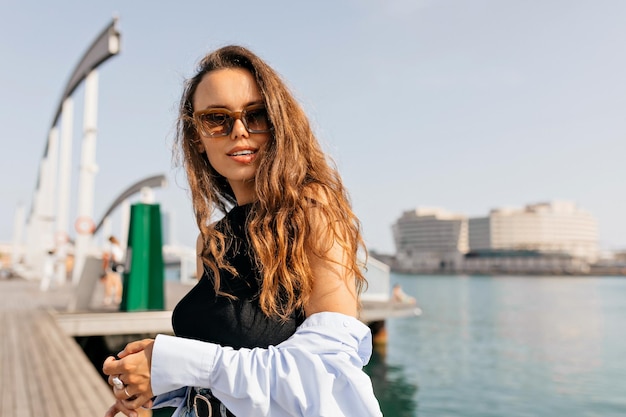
[217, 124]
[257, 120]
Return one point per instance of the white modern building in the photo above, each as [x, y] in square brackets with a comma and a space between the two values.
[430, 239]
[552, 237]
[555, 227]
[555, 236]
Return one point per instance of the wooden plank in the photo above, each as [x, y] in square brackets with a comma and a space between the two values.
[382, 310]
[115, 323]
[38, 385]
[18, 379]
[6, 391]
[43, 371]
[92, 384]
[88, 393]
[59, 398]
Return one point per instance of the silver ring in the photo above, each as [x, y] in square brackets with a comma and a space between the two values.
[117, 382]
[126, 392]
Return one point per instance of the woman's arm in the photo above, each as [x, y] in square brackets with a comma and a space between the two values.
[333, 288]
[316, 372]
[333, 285]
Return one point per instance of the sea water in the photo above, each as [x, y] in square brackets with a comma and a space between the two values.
[506, 346]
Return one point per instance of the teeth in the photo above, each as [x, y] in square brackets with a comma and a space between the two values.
[242, 153]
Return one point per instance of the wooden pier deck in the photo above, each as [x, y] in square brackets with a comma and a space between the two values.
[43, 371]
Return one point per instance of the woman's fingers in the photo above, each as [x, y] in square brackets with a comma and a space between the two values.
[135, 402]
[134, 347]
[148, 404]
[119, 407]
[111, 412]
[127, 401]
[111, 367]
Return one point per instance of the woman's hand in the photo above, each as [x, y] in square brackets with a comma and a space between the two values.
[133, 369]
[119, 407]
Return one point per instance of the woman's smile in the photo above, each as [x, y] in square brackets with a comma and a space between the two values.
[243, 154]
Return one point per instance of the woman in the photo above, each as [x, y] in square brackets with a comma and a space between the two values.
[271, 327]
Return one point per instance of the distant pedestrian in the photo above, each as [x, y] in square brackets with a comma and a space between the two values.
[49, 269]
[399, 296]
[112, 263]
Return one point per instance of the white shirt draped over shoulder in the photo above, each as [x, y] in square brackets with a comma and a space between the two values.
[316, 372]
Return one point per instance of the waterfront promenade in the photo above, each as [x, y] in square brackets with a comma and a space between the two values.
[43, 371]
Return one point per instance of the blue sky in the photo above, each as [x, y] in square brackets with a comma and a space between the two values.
[465, 105]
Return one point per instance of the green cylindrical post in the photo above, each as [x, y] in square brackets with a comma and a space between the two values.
[144, 274]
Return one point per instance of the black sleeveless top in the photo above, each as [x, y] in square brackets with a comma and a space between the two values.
[239, 322]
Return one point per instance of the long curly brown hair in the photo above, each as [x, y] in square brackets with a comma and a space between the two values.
[295, 183]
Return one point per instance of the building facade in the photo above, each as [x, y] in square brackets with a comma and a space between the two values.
[555, 227]
[430, 240]
[553, 237]
[545, 237]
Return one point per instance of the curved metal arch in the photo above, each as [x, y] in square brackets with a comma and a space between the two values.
[105, 46]
[152, 182]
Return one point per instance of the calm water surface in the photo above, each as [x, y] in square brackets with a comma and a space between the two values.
[506, 346]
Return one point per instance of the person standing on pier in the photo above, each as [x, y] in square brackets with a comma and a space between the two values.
[271, 328]
[399, 296]
[49, 270]
[112, 263]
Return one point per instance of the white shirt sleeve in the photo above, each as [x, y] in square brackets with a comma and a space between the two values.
[316, 372]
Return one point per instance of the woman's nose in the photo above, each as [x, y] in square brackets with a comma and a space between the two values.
[239, 130]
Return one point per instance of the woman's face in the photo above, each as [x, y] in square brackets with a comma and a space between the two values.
[233, 156]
